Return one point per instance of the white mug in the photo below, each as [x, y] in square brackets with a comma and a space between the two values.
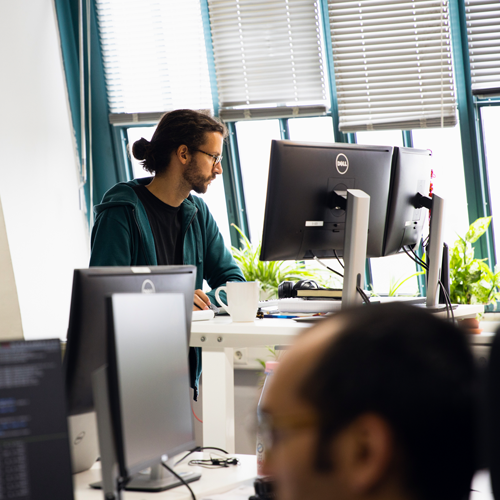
[242, 299]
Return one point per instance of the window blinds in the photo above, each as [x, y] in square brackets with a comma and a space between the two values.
[393, 67]
[154, 57]
[268, 58]
[483, 34]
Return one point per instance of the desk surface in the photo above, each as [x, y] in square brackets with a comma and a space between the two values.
[212, 481]
[222, 332]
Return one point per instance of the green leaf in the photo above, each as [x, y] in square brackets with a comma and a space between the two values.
[477, 229]
[471, 280]
[269, 274]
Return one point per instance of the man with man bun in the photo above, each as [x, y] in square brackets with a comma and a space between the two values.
[156, 221]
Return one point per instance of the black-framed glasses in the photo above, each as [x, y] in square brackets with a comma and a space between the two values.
[217, 158]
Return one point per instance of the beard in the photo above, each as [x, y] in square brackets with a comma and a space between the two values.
[198, 182]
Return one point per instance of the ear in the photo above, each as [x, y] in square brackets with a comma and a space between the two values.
[366, 448]
[182, 154]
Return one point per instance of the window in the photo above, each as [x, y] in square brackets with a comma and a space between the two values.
[449, 180]
[254, 142]
[389, 272]
[380, 138]
[134, 134]
[319, 129]
[269, 63]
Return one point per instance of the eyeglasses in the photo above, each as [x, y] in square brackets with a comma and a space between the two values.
[217, 158]
[273, 429]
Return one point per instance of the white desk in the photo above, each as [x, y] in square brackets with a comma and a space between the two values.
[222, 480]
[218, 338]
[212, 481]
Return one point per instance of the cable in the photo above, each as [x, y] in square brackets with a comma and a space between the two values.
[180, 479]
[418, 258]
[415, 258]
[363, 295]
[449, 308]
[448, 301]
[425, 242]
[360, 291]
[200, 448]
[195, 416]
[215, 463]
[338, 259]
[328, 267]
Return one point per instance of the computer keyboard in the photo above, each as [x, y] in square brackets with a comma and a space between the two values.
[297, 305]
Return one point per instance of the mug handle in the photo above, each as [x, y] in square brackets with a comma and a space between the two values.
[225, 307]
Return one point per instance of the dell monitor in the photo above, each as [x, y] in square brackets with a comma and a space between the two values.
[303, 218]
[411, 174]
[86, 349]
[304, 214]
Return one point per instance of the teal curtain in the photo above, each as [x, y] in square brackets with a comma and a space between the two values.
[106, 170]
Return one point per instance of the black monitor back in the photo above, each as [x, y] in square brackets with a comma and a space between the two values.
[411, 174]
[302, 176]
[86, 344]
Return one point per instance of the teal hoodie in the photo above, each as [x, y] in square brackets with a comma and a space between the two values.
[122, 236]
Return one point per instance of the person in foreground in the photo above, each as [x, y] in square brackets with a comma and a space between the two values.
[156, 221]
[376, 403]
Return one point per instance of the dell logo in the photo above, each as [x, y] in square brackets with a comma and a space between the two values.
[342, 163]
[148, 287]
[79, 438]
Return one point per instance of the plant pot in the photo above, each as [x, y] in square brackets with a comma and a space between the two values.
[471, 325]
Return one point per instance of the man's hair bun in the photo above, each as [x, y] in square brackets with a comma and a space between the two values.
[140, 148]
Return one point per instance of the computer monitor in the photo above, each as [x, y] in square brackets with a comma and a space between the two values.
[411, 174]
[147, 386]
[304, 216]
[86, 348]
[34, 447]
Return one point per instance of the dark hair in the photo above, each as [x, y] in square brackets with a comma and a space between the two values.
[182, 126]
[415, 371]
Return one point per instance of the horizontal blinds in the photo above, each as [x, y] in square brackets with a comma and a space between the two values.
[154, 56]
[268, 55]
[392, 63]
[483, 35]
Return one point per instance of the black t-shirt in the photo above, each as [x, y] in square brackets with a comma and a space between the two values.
[165, 222]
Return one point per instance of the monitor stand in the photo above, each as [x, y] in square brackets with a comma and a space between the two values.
[435, 253]
[158, 478]
[355, 242]
[109, 464]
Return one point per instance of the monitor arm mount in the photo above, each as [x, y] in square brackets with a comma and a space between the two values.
[420, 201]
[337, 200]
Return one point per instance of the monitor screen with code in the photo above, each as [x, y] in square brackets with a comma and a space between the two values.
[34, 449]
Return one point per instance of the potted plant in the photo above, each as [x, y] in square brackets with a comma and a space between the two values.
[471, 280]
[268, 274]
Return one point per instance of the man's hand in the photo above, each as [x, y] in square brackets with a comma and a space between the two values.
[201, 301]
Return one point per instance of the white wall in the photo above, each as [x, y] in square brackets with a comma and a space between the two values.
[47, 233]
